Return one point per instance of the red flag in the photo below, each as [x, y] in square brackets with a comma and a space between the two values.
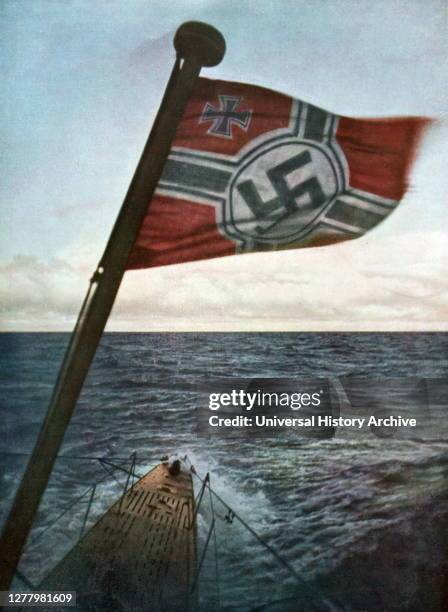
[253, 170]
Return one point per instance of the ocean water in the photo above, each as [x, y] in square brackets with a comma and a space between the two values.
[361, 518]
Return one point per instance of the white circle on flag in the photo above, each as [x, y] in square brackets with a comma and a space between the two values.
[281, 191]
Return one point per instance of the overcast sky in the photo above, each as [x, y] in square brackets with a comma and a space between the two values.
[81, 82]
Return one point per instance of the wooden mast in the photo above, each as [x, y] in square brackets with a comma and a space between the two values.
[197, 45]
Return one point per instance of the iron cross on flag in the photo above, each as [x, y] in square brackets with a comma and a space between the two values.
[223, 117]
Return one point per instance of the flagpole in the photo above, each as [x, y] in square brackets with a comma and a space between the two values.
[197, 45]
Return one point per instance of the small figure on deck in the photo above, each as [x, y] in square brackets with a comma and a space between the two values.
[174, 463]
[174, 467]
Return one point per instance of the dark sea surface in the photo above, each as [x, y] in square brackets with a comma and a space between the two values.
[361, 518]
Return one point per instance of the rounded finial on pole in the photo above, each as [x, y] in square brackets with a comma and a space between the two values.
[201, 41]
[200, 45]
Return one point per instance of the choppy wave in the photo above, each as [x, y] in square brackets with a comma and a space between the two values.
[339, 510]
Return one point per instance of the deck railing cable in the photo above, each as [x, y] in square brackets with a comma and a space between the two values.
[215, 546]
[281, 560]
[211, 531]
[91, 489]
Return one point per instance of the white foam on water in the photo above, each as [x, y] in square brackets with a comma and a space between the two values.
[253, 508]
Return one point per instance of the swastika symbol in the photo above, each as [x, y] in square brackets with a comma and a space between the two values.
[269, 213]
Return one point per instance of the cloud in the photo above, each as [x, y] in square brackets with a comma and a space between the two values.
[79, 98]
[37, 295]
[386, 283]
